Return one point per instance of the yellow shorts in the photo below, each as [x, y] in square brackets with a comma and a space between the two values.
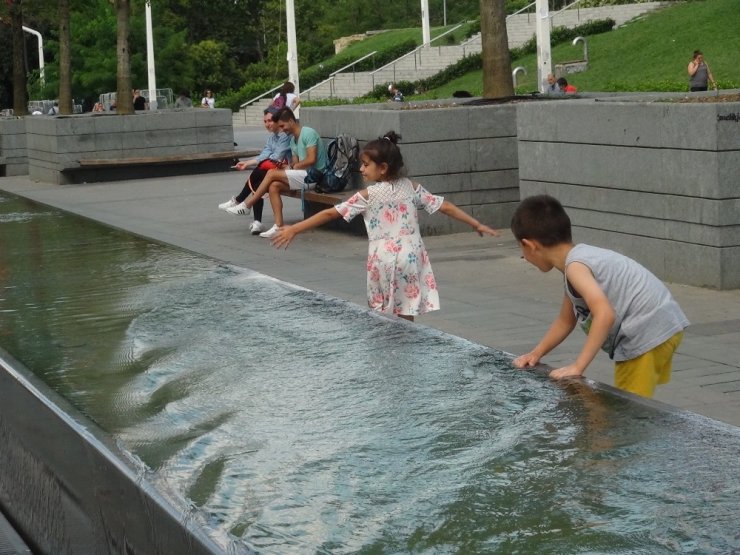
[640, 375]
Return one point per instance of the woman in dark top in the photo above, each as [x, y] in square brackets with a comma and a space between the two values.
[699, 73]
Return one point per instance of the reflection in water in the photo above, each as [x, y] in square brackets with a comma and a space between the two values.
[298, 423]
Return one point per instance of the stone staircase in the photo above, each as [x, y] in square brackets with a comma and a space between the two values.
[427, 61]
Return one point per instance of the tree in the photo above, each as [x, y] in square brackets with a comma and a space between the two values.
[20, 99]
[497, 79]
[65, 60]
[124, 99]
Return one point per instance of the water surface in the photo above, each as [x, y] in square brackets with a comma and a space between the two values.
[296, 423]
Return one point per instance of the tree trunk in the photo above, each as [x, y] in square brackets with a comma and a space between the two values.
[20, 95]
[65, 62]
[497, 79]
[124, 99]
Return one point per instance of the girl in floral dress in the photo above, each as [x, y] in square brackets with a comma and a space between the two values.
[399, 275]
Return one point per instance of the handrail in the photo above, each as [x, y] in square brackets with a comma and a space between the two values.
[256, 98]
[553, 14]
[415, 50]
[507, 17]
[357, 61]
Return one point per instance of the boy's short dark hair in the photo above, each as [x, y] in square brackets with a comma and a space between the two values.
[541, 218]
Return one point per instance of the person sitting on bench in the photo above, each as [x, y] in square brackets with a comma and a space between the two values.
[307, 152]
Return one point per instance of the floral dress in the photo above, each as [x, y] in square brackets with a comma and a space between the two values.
[399, 274]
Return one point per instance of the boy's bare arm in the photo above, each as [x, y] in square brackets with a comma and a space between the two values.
[602, 318]
[559, 330]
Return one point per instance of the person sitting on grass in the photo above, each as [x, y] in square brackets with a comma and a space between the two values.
[623, 308]
[307, 152]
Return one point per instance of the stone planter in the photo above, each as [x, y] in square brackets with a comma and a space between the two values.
[57, 144]
[657, 181]
[13, 157]
[468, 154]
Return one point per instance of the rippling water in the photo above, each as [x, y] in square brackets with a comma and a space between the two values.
[296, 423]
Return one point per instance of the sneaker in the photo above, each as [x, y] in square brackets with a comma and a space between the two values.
[228, 204]
[239, 209]
[270, 233]
[256, 228]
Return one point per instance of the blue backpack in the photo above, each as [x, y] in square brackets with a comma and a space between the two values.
[343, 155]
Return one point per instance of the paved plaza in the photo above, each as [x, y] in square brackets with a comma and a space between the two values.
[489, 295]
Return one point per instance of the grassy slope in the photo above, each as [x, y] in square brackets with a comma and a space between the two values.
[647, 54]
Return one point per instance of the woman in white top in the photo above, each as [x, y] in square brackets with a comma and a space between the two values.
[208, 101]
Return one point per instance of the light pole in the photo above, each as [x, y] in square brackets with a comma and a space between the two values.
[425, 34]
[41, 51]
[544, 56]
[292, 47]
[150, 58]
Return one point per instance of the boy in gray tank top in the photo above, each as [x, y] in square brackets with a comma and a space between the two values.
[623, 308]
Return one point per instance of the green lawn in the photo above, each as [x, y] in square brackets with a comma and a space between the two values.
[648, 54]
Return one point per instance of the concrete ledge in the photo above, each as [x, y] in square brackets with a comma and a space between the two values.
[466, 153]
[67, 486]
[655, 180]
[56, 144]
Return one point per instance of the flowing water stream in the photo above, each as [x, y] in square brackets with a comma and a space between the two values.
[291, 422]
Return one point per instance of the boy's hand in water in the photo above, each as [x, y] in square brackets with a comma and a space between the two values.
[484, 229]
[526, 361]
[283, 237]
[570, 371]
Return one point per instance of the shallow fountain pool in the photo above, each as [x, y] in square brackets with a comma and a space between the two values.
[297, 423]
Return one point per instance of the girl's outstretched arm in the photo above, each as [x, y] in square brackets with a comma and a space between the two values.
[286, 234]
[453, 211]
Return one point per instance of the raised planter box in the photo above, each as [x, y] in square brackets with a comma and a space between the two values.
[466, 153]
[657, 181]
[13, 153]
[57, 144]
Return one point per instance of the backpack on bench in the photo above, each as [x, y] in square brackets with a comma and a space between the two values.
[343, 158]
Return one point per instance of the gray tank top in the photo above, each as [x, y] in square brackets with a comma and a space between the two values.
[645, 313]
[701, 77]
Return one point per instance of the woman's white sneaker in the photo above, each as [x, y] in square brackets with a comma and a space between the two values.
[256, 228]
[228, 204]
[270, 233]
[239, 209]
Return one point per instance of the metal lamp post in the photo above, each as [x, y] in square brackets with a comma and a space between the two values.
[41, 51]
[150, 58]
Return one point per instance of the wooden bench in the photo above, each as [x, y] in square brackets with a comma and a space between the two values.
[325, 199]
[171, 159]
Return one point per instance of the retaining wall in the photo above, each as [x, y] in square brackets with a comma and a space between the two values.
[67, 489]
[468, 154]
[56, 144]
[657, 181]
[13, 153]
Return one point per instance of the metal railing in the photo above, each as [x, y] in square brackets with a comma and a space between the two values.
[307, 93]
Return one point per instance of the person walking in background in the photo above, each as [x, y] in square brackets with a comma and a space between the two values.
[699, 73]
[208, 101]
[275, 155]
[286, 97]
[623, 308]
[307, 153]
[183, 100]
[400, 280]
[140, 102]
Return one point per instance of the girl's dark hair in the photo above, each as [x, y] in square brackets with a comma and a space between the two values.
[384, 150]
[287, 87]
[541, 218]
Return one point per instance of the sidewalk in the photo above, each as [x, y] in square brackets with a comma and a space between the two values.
[489, 294]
